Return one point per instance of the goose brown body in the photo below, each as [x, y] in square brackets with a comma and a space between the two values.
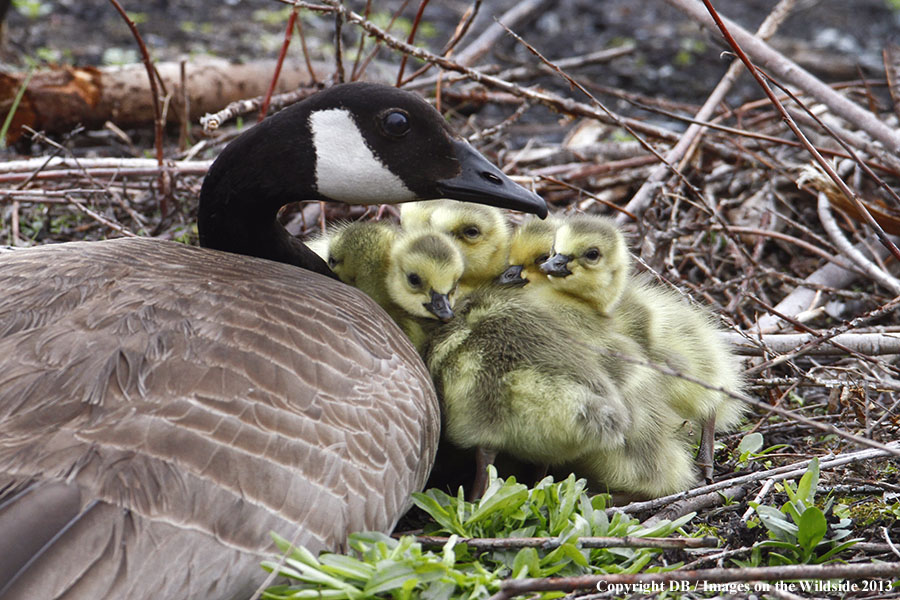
[178, 409]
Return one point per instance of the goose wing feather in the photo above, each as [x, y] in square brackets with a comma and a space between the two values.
[177, 398]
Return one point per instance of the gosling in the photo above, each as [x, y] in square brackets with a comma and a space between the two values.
[590, 272]
[414, 276]
[515, 378]
[529, 247]
[482, 234]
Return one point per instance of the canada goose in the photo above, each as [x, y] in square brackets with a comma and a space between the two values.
[412, 275]
[481, 232]
[530, 246]
[163, 407]
[591, 267]
[515, 378]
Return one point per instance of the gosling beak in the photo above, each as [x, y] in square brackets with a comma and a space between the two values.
[557, 265]
[439, 306]
[480, 181]
[512, 277]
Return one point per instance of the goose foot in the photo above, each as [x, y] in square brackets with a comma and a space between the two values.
[705, 454]
[483, 458]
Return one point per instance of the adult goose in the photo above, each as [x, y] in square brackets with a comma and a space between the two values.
[163, 407]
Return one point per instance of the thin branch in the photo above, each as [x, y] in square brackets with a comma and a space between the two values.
[411, 38]
[159, 123]
[486, 544]
[791, 471]
[644, 195]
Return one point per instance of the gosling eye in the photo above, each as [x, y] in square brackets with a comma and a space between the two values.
[395, 123]
[471, 232]
[592, 254]
[542, 258]
[414, 280]
[332, 262]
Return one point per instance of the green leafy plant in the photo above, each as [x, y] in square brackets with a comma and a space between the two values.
[404, 569]
[797, 531]
[751, 447]
[398, 569]
[32, 9]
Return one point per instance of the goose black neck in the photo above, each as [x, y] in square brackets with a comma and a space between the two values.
[268, 166]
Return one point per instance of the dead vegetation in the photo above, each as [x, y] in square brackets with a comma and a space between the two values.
[724, 202]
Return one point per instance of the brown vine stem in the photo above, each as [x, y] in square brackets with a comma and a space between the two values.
[786, 117]
[157, 110]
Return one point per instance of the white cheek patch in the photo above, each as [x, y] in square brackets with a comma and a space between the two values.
[346, 169]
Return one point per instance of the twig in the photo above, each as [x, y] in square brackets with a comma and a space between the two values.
[643, 196]
[462, 28]
[159, 124]
[488, 38]
[314, 79]
[761, 80]
[830, 275]
[553, 101]
[791, 471]
[837, 237]
[871, 344]
[288, 34]
[411, 38]
[483, 544]
[339, 76]
[778, 64]
[821, 337]
[758, 498]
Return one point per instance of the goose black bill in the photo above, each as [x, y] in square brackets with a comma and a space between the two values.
[481, 181]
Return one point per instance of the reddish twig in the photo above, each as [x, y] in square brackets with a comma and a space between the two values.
[288, 35]
[461, 29]
[157, 109]
[411, 38]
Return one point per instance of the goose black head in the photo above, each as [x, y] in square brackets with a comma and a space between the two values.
[378, 144]
[360, 143]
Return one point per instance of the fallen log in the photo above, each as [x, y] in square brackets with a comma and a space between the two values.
[60, 97]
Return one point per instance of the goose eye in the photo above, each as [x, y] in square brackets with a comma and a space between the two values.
[592, 254]
[395, 123]
[414, 280]
[471, 232]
